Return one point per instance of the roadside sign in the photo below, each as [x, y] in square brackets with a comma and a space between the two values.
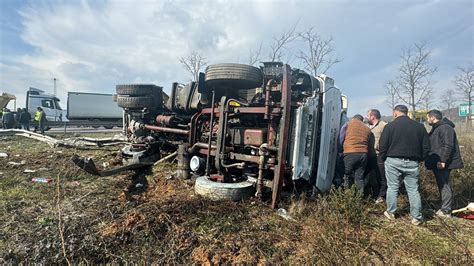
[463, 109]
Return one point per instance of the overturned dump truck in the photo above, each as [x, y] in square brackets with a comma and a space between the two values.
[240, 130]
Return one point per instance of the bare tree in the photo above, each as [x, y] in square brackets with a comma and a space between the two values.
[318, 58]
[426, 102]
[391, 88]
[254, 55]
[279, 44]
[193, 63]
[448, 101]
[415, 75]
[465, 83]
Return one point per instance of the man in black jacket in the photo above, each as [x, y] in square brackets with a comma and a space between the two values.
[25, 118]
[8, 119]
[444, 156]
[403, 144]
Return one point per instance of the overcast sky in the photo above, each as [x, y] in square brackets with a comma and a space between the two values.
[91, 46]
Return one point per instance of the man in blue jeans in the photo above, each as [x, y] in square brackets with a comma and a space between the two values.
[403, 144]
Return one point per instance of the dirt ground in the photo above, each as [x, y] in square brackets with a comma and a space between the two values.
[85, 219]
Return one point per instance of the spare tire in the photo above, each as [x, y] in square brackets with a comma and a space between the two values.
[135, 102]
[223, 191]
[136, 89]
[233, 75]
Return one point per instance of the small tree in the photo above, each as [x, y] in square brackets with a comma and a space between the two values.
[465, 84]
[415, 75]
[391, 89]
[427, 101]
[448, 101]
[193, 63]
[254, 55]
[280, 43]
[318, 58]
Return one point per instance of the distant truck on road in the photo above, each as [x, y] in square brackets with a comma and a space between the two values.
[94, 108]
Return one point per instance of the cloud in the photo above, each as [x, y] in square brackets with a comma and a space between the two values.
[94, 45]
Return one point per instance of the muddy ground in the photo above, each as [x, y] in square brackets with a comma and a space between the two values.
[85, 219]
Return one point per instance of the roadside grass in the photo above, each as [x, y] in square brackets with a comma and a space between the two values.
[170, 225]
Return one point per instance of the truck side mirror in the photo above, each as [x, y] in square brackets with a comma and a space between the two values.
[201, 83]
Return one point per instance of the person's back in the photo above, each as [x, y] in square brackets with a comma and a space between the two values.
[404, 138]
[8, 119]
[355, 149]
[23, 117]
[357, 137]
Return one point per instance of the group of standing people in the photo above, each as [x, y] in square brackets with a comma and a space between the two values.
[393, 152]
[21, 119]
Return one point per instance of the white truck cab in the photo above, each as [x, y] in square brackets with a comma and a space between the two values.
[38, 98]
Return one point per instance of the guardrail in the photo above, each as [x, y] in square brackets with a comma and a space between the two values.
[84, 123]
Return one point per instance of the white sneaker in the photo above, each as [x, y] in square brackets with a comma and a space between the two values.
[390, 216]
[379, 200]
[441, 214]
[416, 222]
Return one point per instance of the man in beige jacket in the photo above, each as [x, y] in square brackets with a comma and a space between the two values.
[376, 163]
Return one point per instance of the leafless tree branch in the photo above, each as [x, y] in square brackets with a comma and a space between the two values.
[391, 89]
[415, 75]
[448, 100]
[280, 43]
[254, 55]
[193, 63]
[318, 57]
[464, 83]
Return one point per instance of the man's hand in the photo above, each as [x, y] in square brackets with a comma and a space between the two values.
[441, 165]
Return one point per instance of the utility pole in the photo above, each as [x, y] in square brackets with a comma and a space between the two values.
[54, 92]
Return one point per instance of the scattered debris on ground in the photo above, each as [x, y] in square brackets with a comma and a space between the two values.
[169, 224]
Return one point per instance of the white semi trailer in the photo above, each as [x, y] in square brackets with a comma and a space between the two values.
[93, 107]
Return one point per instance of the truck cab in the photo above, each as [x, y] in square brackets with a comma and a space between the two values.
[38, 98]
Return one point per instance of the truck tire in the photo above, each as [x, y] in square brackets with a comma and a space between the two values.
[135, 102]
[223, 191]
[135, 89]
[241, 76]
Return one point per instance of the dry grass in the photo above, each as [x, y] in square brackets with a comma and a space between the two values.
[169, 224]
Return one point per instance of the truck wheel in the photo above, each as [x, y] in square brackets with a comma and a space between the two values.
[136, 89]
[241, 76]
[223, 191]
[135, 102]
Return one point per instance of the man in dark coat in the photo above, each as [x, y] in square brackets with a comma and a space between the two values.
[443, 157]
[17, 118]
[8, 119]
[25, 118]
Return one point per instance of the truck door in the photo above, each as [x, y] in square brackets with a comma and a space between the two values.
[49, 108]
[59, 110]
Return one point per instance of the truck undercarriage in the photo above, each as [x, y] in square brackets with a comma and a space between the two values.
[239, 129]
